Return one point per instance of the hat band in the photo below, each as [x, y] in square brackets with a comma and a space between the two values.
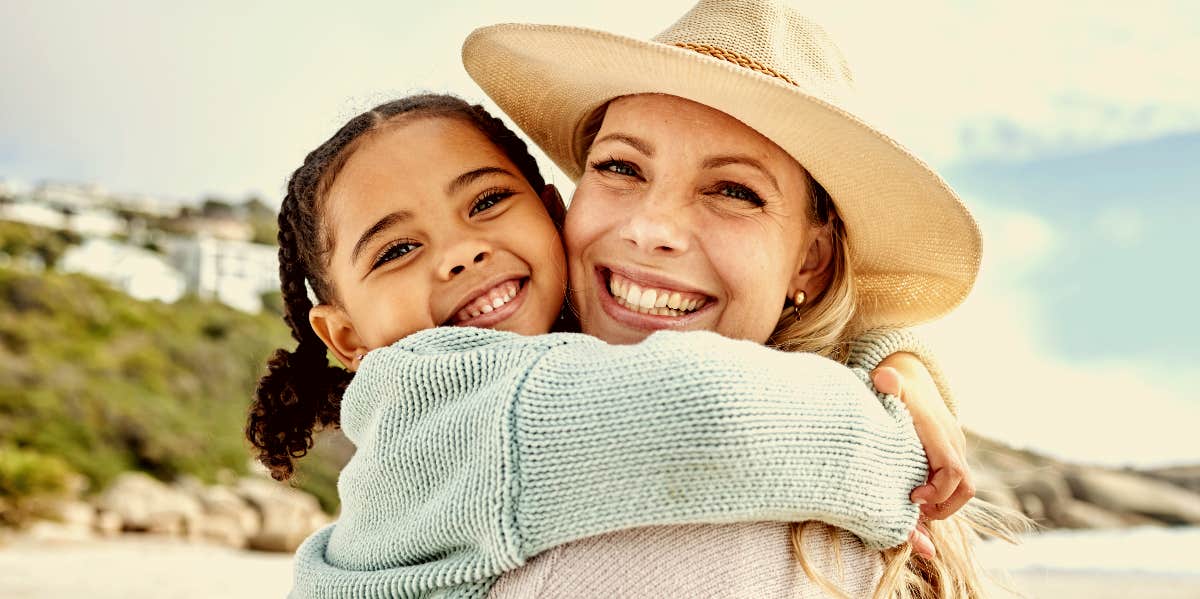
[735, 58]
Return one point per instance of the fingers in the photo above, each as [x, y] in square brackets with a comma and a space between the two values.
[887, 380]
[944, 482]
[944, 509]
[921, 542]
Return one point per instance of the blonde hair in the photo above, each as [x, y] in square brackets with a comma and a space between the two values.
[825, 326]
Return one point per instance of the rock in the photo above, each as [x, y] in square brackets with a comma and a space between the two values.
[992, 489]
[222, 529]
[288, 515]
[1128, 492]
[147, 505]
[1079, 514]
[109, 523]
[223, 510]
[57, 532]
[1187, 477]
[71, 513]
[1046, 490]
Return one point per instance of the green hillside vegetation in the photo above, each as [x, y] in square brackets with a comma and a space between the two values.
[104, 383]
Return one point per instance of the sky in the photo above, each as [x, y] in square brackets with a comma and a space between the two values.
[1071, 129]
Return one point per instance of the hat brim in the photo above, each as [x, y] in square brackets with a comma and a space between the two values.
[915, 248]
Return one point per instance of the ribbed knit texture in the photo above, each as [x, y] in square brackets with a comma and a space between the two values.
[870, 348]
[478, 449]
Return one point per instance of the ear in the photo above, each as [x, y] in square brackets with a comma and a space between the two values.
[335, 328]
[553, 202]
[815, 270]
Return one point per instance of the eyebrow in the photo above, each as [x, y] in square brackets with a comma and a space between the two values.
[636, 143]
[380, 226]
[726, 160]
[470, 177]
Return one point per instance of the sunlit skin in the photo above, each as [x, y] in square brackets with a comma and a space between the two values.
[678, 196]
[426, 216]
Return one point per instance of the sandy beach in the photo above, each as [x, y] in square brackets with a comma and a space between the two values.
[132, 567]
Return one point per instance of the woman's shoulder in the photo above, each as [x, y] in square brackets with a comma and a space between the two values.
[753, 559]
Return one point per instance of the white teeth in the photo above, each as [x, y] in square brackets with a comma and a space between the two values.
[634, 294]
[647, 299]
[496, 303]
[651, 301]
[487, 308]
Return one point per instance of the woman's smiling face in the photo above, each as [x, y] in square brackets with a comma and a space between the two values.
[686, 219]
[433, 225]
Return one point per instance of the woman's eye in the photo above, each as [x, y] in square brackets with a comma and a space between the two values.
[398, 250]
[616, 167]
[740, 192]
[490, 198]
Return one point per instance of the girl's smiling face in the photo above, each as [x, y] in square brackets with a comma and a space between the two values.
[687, 219]
[430, 224]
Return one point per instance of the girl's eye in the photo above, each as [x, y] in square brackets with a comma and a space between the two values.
[394, 251]
[489, 199]
[740, 192]
[616, 167]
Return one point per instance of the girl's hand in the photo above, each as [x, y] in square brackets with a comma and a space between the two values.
[949, 486]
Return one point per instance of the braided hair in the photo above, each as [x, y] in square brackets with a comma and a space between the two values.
[301, 392]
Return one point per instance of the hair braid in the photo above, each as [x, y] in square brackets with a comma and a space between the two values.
[301, 391]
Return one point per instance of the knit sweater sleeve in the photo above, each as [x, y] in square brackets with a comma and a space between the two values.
[478, 449]
[870, 348]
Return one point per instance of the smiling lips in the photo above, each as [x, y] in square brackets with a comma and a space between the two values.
[651, 300]
[489, 301]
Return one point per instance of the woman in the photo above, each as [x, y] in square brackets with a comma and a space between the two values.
[719, 160]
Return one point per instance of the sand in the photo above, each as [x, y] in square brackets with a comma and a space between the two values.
[133, 567]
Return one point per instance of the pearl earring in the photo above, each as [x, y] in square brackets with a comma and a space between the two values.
[797, 301]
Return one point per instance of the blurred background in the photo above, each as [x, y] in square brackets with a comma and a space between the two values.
[144, 149]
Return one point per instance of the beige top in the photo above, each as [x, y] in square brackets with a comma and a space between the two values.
[696, 560]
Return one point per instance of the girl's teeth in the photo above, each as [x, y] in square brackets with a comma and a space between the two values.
[675, 301]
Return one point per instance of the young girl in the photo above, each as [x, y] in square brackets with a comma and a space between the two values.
[427, 212]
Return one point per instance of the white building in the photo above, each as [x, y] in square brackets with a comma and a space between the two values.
[72, 196]
[85, 221]
[236, 273]
[140, 273]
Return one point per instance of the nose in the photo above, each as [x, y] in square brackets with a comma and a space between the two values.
[462, 255]
[656, 226]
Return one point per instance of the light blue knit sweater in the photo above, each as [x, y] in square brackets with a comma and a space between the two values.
[477, 449]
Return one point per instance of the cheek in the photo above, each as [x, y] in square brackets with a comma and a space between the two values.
[586, 223]
[754, 271]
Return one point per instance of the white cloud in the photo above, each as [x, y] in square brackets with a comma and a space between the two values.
[1012, 385]
[227, 97]
[1017, 79]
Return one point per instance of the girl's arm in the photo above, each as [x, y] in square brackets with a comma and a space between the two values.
[926, 394]
[477, 449]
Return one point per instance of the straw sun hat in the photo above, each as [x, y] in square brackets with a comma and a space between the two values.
[914, 246]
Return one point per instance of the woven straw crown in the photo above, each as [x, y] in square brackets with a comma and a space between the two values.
[914, 246]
